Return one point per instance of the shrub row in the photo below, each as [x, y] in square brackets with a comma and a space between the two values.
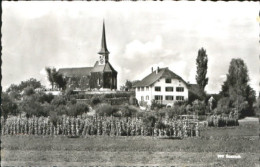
[111, 126]
[103, 95]
[220, 121]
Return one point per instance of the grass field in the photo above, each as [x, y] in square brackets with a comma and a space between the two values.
[128, 151]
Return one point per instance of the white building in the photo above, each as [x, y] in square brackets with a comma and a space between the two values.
[162, 85]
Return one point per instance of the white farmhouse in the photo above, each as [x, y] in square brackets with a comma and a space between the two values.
[163, 86]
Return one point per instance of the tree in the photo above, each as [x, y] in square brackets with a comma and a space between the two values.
[8, 106]
[202, 67]
[32, 82]
[237, 89]
[55, 78]
[60, 81]
[128, 85]
[51, 72]
[28, 91]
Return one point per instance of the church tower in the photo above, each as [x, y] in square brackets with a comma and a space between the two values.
[103, 75]
[103, 51]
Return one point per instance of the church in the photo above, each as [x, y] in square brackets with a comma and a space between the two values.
[102, 76]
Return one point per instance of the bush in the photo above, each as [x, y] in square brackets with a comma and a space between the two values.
[156, 106]
[61, 110]
[28, 91]
[132, 100]
[45, 97]
[59, 100]
[54, 118]
[160, 125]
[95, 100]
[149, 120]
[78, 109]
[8, 106]
[129, 111]
[221, 121]
[106, 110]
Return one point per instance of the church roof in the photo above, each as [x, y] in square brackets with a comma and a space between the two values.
[103, 68]
[154, 76]
[75, 72]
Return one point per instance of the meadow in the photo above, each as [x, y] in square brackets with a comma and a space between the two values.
[243, 140]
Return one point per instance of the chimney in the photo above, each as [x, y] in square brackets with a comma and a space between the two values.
[157, 70]
[152, 69]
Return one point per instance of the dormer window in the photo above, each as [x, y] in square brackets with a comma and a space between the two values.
[168, 80]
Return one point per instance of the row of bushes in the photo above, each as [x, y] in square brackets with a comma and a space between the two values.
[113, 101]
[111, 126]
[102, 96]
[221, 121]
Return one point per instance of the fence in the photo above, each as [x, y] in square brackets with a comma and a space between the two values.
[109, 126]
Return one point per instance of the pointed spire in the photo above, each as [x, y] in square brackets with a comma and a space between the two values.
[103, 50]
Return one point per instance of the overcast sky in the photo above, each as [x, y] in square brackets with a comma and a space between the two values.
[140, 35]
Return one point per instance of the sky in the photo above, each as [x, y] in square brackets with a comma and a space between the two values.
[140, 35]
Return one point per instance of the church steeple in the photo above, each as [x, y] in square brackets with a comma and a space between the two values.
[103, 51]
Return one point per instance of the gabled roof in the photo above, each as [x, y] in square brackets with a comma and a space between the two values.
[107, 67]
[154, 76]
[75, 72]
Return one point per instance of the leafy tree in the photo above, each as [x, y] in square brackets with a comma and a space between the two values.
[237, 88]
[51, 72]
[28, 91]
[78, 109]
[95, 100]
[59, 100]
[60, 81]
[32, 83]
[32, 107]
[45, 97]
[56, 78]
[8, 106]
[128, 85]
[129, 111]
[202, 67]
[104, 109]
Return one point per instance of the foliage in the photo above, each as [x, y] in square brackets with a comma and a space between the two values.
[129, 111]
[133, 100]
[60, 81]
[77, 109]
[257, 107]
[54, 118]
[156, 105]
[237, 88]
[8, 106]
[223, 106]
[51, 74]
[32, 82]
[200, 107]
[221, 121]
[128, 85]
[97, 125]
[56, 78]
[45, 97]
[96, 100]
[28, 91]
[150, 120]
[202, 66]
[59, 100]
[34, 108]
[106, 110]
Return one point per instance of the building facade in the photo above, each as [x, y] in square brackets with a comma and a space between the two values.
[101, 76]
[162, 86]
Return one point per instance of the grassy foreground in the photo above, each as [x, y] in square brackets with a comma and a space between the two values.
[128, 151]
